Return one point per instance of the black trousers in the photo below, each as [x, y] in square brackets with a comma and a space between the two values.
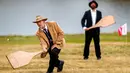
[88, 37]
[54, 61]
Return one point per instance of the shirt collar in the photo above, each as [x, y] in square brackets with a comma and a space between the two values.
[45, 26]
[93, 11]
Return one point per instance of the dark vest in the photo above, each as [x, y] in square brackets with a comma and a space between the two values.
[47, 33]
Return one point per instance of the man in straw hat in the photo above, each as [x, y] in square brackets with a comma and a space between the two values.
[52, 40]
[92, 16]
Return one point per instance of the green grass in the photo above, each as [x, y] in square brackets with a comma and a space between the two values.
[19, 40]
[70, 38]
[104, 37]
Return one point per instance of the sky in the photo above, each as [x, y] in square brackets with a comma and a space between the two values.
[16, 16]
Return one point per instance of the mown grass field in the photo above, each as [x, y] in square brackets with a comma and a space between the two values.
[115, 54]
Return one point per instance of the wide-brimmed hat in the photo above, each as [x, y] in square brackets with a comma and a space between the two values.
[93, 2]
[40, 18]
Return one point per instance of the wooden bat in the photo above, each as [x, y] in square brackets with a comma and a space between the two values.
[21, 58]
[104, 22]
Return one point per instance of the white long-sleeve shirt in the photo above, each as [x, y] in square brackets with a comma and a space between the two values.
[93, 14]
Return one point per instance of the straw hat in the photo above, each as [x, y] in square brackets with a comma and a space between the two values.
[39, 18]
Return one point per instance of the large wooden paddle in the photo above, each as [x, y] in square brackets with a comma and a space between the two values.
[21, 58]
[104, 22]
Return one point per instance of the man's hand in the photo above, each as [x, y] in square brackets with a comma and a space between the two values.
[53, 46]
[43, 54]
[86, 29]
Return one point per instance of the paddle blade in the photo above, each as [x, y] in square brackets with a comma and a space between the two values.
[20, 58]
[104, 22]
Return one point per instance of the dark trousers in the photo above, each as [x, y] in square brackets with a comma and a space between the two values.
[54, 61]
[88, 37]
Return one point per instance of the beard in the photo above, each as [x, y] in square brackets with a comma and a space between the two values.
[93, 7]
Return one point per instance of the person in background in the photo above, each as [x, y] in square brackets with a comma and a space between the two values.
[90, 18]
